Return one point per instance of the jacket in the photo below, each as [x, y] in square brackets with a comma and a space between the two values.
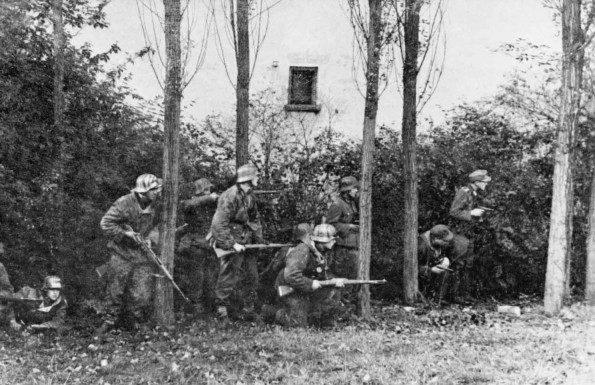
[342, 213]
[236, 219]
[303, 265]
[465, 201]
[125, 214]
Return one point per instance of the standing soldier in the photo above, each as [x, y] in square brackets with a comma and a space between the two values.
[464, 207]
[199, 263]
[132, 219]
[466, 212]
[310, 303]
[343, 214]
[235, 224]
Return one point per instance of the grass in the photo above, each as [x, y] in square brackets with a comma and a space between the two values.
[451, 346]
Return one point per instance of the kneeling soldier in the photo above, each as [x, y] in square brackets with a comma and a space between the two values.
[306, 266]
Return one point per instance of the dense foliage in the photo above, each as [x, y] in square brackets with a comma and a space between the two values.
[56, 182]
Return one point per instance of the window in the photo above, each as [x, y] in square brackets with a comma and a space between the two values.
[302, 89]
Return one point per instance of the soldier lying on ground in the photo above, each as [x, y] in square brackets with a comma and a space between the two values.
[38, 309]
[306, 266]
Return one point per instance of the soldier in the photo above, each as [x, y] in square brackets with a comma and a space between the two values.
[343, 214]
[6, 289]
[132, 219]
[198, 261]
[48, 312]
[466, 212]
[306, 267]
[439, 251]
[235, 224]
[464, 207]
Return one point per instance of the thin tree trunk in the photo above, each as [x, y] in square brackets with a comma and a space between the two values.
[58, 168]
[243, 83]
[590, 271]
[371, 110]
[164, 304]
[560, 235]
[410, 71]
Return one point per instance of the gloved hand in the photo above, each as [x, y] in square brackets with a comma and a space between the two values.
[238, 248]
[339, 282]
[316, 285]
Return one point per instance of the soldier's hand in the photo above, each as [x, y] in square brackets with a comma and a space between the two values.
[14, 325]
[214, 195]
[238, 248]
[134, 236]
[477, 212]
[316, 285]
[339, 282]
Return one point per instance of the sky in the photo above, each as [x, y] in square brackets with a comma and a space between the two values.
[475, 29]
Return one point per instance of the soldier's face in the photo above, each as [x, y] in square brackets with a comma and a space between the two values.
[53, 294]
[353, 192]
[153, 193]
[481, 185]
[328, 245]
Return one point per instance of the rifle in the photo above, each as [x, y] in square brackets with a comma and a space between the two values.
[222, 253]
[286, 290]
[8, 298]
[163, 269]
[264, 192]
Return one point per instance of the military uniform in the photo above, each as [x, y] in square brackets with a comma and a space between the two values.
[306, 306]
[198, 264]
[429, 256]
[343, 214]
[47, 313]
[129, 272]
[6, 289]
[236, 220]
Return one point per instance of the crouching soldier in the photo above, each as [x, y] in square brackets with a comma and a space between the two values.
[306, 267]
[440, 256]
[131, 221]
[198, 262]
[41, 309]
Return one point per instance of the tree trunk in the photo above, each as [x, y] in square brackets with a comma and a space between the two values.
[59, 129]
[560, 235]
[410, 226]
[243, 83]
[164, 304]
[371, 110]
[590, 273]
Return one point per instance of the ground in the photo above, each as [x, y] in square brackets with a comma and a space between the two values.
[401, 345]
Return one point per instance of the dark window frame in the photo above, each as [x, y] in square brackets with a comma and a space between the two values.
[293, 95]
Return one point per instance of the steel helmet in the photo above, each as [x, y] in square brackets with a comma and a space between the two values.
[441, 232]
[52, 282]
[201, 185]
[246, 173]
[324, 233]
[349, 182]
[146, 182]
[479, 176]
[301, 232]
